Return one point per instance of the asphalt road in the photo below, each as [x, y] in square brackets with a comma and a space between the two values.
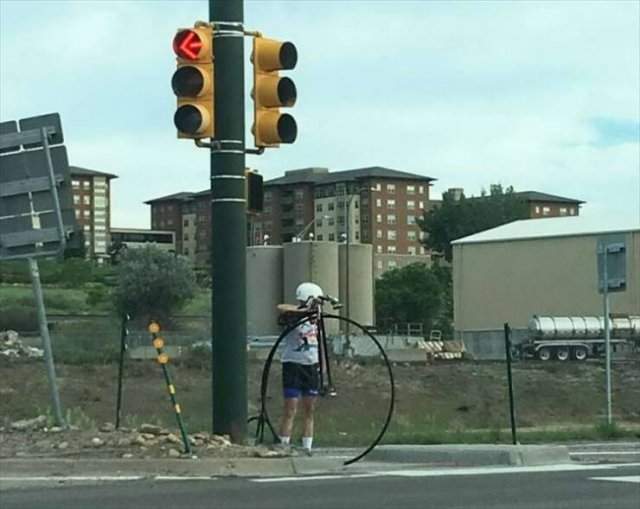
[595, 487]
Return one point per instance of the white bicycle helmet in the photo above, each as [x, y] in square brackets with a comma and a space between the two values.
[307, 290]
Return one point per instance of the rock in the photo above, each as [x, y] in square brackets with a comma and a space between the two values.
[123, 442]
[192, 440]
[139, 440]
[148, 436]
[97, 442]
[150, 428]
[108, 427]
[21, 454]
[201, 436]
[260, 452]
[173, 453]
[63, 445]
[124, 430]
[127, 455]
[220, 440]
[172, 439]
[29, 424]
[56, 429]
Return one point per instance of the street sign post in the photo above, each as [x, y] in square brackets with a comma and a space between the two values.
[612, 277]
[36, 211]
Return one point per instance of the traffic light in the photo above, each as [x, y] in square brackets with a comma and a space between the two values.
[271, 92]
[254, 191]
[193, 82]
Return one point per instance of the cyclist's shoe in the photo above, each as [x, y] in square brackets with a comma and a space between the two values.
[304, 451]
[284, 449]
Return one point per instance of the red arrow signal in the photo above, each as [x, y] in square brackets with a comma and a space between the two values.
[187, 44]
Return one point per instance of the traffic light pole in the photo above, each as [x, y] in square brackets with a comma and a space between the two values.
[228, 224]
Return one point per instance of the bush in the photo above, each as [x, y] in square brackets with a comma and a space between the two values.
[19, 318]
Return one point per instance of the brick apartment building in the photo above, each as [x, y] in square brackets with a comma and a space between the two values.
[375, 205]
[92, 204]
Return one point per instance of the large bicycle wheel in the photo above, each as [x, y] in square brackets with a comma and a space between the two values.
[359, 413]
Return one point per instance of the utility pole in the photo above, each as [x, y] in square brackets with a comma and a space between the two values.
[228, 224]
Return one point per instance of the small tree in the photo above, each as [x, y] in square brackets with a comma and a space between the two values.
[411, 294]
[152, 283]
[455, 219]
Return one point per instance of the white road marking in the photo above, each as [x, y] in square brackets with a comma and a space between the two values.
[61, 478]
[426, 472]
[314, 478]
[605, 453]
[624, 478]
[183, 478]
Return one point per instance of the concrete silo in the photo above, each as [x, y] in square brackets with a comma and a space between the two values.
[360, 273]
[264, 289]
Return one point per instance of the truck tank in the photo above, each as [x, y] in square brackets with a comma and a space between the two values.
[584, 327]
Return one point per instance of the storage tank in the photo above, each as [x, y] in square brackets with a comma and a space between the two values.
[311, 261]
[264, 289]
[360, 273]
[583, 327]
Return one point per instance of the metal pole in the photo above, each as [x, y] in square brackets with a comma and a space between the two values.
[607, 333]
[54, 188]
[123, 348]
[512, 410]
[348, 285]
[46, 342]
[229, 225]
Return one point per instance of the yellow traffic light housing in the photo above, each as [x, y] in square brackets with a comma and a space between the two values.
[193, 82]
[271, 92]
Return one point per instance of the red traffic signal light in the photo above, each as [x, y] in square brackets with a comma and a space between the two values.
[188, 44]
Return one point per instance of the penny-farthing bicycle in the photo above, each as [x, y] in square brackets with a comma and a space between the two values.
[357, 393]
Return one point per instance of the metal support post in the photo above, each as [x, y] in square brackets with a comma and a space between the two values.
[512, 410]
[607, 332]
[123, 348]
[229, 225]
[46, 342]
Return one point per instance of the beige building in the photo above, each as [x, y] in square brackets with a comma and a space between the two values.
[535, 267]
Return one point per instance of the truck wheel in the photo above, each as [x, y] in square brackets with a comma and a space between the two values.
[579, 353]
[544, 354]
[562, 353]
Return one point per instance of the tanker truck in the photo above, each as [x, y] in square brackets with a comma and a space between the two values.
[577, 337]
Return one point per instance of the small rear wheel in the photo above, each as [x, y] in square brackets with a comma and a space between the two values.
[580, 353]
[562, 353]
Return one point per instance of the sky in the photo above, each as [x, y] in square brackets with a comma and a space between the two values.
[540, 95]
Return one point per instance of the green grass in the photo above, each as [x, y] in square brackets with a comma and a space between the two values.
[56, 300]
[199, 305]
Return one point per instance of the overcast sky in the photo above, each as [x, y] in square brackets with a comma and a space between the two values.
[543, 96]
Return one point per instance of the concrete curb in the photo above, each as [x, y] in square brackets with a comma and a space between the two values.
[472, 455]
[227, 467]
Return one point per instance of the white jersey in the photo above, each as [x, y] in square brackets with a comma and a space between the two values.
[301, 345]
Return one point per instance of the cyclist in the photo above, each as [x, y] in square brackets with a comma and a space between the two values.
[300, 367]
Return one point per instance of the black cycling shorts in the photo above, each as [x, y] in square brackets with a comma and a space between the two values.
[300, 379]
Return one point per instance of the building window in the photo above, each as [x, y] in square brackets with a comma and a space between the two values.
[86, 228]
[75, 183]
[186, 251]
[421, 205]
[391, 235]
[378, 234]
[86, 213]
[546, 211]
[331, 206]
[421, 250]
[299, 221]
[357, 235]
[319, 223]
[319, 237]
[563, 211]
[299, 194]
[332, 237]
[391, 249]
[391, 219]
[332, 221]
[86, 199]
[421, 189]
[169, 222]
[319, 207]
[391, 204]
[411, 205]
[411, 189]
[77, 214]
[537, 210]
[412, 250]
[186, 223]
[379, 264]
[86, 184]
[186, 236]
[411, 235]
[76, 199]
[379, 248]
[391, 188]
[378, 186]
[392, 264]
[378, 218]
[572, 211]
[378, 202]
[340, 219]
[411, 219]
[267, 196]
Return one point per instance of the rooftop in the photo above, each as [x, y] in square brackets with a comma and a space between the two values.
[551, 227]
[537, 196]
[175, 196]
[77, 170]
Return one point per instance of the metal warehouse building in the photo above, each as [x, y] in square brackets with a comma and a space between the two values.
[535, 267]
